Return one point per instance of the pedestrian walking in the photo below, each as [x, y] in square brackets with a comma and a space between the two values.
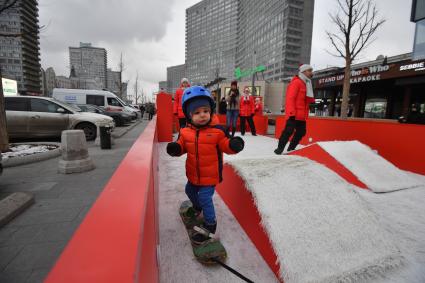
[142, 110]
[299, 95]
[177, 107]
[232, 110]
[246, 111]
[222, 107]
[150, 108]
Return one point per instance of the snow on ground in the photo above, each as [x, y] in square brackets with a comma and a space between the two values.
[321, 230]
[375, 172]
[26, 149]
[177, 263]
[401, 213]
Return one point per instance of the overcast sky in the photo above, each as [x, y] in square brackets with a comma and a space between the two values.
[151, 34]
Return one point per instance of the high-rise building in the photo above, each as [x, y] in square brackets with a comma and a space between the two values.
[50, 77]
[113, 81]
[211, 27]
[63, 82]
[20, 55]
[89, 64]
[174, 76]
[276, 34]
[222, 35]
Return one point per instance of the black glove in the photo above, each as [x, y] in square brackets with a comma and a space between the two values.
[291, 118]
[236, 144]
[173, 149]
[252, 115]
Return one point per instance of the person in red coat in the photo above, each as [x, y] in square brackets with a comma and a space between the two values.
[299, 95]
[246, 111]
[258, 107]
[204, 142]
[177, 107]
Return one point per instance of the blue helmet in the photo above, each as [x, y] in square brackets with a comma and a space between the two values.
[195, 92]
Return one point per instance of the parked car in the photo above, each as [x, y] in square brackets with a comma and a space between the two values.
[120, 118]
[102, 98]
[31, 116]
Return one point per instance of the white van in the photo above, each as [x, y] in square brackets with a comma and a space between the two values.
[102, 98]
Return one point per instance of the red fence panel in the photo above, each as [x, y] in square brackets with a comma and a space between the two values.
[117, 241]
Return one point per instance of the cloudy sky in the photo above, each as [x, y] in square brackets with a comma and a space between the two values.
[151, 34]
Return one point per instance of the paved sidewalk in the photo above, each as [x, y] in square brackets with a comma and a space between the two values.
[31, 243]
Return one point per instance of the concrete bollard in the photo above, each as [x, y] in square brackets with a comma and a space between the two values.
[75, 156]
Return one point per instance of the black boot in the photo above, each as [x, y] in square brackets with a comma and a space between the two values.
[203, 233]
[278, 151]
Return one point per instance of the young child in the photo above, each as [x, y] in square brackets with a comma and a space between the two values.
[204, 142]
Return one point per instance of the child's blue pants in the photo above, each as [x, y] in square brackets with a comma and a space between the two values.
[201, 198]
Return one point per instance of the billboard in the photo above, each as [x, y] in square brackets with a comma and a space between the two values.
[10, 87]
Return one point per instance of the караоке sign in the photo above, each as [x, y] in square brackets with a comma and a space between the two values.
[376, 73]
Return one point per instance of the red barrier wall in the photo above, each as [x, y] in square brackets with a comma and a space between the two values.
[401, 144]
[117, 241]
[164, 107]
[239, 200]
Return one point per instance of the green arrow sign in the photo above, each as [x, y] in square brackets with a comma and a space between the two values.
[246, 73]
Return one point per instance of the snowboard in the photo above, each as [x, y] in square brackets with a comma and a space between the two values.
[208, 251]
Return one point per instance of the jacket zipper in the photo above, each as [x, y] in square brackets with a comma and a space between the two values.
[197, 157]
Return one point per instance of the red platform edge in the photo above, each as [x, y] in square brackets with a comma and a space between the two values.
[316, 153]
[240, 202]
[117, 241]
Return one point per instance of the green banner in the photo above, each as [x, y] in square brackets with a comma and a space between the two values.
[246, 73]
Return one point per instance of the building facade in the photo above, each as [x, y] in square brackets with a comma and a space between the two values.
[63, 82]
[211, 27]
[174, 76]
[276, 34]
[113, 81]
[90, 65]
[222, 35]
[385, 88]
[20, 55]
[50, 76]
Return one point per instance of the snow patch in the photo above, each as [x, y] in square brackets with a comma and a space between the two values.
[320, 228]
[375, 172]
[26, 149]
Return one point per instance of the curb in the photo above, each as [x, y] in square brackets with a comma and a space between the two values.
[13, 205]
[22, 160]
[129, 128]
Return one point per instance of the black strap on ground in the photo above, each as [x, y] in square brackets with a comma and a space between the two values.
[232, 270]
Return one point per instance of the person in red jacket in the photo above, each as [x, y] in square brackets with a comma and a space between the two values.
[258, 107]
[204, 142]
[299, 95]
[246, 111]
[177, 107]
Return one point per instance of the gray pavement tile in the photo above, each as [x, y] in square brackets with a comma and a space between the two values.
[44, 216]
[65, 203]
[22, 236]
[28, 187]
[38, 275]
[46, 195]
[7, 255]
[56, 232]
[35, 257]
[6, 233]
[14, 277]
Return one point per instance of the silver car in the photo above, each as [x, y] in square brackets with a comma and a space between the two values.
[29, 117]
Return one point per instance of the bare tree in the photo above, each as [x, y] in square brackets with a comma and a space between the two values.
[356, 22]
[136, 88]
[120, 70]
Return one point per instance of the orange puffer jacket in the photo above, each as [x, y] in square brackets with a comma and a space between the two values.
[204, 148]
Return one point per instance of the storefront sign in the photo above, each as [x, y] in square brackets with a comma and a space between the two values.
[376, 73]
[246, 73]
[10, 87]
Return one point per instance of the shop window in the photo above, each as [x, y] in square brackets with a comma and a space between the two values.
[375, 108]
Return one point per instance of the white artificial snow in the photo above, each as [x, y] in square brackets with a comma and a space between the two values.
[375, 172]
[25, 149]
[177, 263]
[320, 229]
